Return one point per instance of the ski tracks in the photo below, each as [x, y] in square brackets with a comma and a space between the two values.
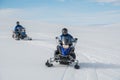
[91, 73]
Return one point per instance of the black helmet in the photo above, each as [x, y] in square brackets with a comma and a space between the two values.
[64, 31]
[17, 22]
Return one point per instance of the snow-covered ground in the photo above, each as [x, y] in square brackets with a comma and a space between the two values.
[98, 51]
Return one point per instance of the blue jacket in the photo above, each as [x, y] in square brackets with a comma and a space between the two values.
[68, 37]
[18, 28]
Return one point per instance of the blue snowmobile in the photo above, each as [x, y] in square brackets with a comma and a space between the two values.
[20, 34]
[64, 53]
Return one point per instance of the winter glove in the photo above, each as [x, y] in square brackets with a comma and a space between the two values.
[75, 40]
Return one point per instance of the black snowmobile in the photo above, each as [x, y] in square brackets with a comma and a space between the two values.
[64, 54]
[21, 34]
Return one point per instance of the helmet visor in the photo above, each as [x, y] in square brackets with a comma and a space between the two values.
[64, 32]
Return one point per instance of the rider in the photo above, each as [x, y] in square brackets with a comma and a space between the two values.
[18, 29]
[70, 39]
[67, 36]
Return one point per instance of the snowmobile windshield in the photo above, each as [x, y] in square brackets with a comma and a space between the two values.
[65, 40]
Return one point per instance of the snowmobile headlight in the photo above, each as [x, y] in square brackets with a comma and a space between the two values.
[65, 46]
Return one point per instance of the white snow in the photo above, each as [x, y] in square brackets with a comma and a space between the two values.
[98, 51]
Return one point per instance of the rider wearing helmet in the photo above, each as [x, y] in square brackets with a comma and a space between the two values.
[67, 35]
[70, 39]
[20, 30]
[18, 27]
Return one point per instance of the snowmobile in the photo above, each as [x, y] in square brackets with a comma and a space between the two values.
[65, 54]
[21, 34]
